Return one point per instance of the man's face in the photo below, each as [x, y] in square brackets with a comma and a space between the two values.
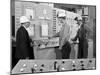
[61, 20]
[79, 22]
[27, 24]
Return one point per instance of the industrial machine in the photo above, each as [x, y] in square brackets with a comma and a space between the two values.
[44, 23]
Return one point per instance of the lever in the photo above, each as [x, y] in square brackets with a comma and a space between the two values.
[55, 65]
[32, 70]
[58, 68]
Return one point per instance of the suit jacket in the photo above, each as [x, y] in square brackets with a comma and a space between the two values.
[82, 36]
[23, 48]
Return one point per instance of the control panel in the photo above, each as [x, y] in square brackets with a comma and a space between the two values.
[45, 43]
[37, 66]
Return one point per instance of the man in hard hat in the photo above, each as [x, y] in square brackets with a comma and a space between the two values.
[64, 35]
[23, 48]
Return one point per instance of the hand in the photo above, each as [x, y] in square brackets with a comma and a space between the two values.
[49, 37]
[60, 48]
[32, 44]
[71, 42]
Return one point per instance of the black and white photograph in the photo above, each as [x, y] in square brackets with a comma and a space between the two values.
[52, 37]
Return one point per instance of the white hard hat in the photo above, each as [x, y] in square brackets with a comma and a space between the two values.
[24, 19]
[61, 13]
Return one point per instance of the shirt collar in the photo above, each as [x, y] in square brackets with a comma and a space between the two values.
[24, 27]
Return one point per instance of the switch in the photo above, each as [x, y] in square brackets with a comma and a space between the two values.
[73, 62]
[90, 61]
[81, 61]
[62, 68]
[35, 66]
[39, 45]
[42, 65]
[41, 70]
[93, 67]
[74, 69]
[32, 70]
[58, 68]
[82, 65]
[63, 62]
[21, 70]
[82, 68]
[24, 65]
[73, 65]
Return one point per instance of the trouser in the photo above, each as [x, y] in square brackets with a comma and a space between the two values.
[74, 50]
[66, 50]
[83, 49]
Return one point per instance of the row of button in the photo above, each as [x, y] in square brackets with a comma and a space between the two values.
[58, 67]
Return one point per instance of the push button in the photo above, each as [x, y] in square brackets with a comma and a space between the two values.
[21, 70]
[24, 65]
